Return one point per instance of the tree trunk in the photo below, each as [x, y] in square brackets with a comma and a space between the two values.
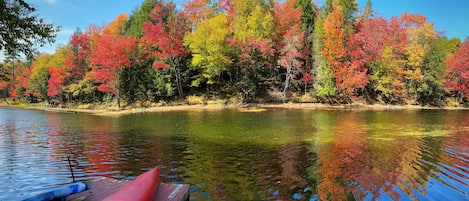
[4, 96]
[287, 83]
[179, 83]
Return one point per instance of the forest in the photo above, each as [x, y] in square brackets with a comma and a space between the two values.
[248, 51]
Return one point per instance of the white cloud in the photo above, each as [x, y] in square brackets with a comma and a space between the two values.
[51, 1]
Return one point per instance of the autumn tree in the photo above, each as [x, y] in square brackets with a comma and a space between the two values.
[252, 27]
[207, 42]
[309, 16]
[457, 78]
[290, 43]
[197, 11]
[78, 58]
[164, 37]
[37, 84]
[420, 34]
[14, 86]
[77, 64]
[108, 58]
[334, 50]
[348, 9]
[116, 27]
[210, 50]
[379, 46]
[139, 81]
[324, 84]
[56, 80]
[22, 77]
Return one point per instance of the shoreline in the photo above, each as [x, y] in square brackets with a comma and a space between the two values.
[241, 107]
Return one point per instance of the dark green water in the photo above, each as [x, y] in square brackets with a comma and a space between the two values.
[278, 154]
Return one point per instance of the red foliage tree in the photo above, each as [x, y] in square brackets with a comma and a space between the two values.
[77, 60]
[3, 84]
[196, 11]
[20, 83]
[108, 58]
[22, 77]
[56, 80]
[164, 35]
[290, 41]
[367, 45]
[458, 71]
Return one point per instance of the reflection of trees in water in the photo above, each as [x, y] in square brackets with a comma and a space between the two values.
[341, 155]
[294, 160]
[246, 156]
[246, 171]
[362, 156]
[455, 157]
[225, 155]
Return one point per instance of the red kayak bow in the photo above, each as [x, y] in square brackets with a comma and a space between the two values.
[142, 188]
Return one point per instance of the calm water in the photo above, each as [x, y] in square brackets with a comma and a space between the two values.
[229, 155]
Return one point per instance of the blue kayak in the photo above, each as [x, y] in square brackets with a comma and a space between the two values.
[60, 193]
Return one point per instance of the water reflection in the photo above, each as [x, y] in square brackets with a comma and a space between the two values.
[376, 155]
[228, 155]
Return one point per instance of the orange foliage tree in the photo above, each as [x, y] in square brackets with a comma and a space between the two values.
[116, 27]
[348, 76]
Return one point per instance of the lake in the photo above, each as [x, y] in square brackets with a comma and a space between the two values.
[278, 154]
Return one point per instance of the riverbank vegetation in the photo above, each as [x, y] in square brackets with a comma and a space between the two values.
[248, 51]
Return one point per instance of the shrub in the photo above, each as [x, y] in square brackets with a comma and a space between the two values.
[195, 100]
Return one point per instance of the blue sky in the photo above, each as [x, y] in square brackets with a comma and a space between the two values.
[449, 16]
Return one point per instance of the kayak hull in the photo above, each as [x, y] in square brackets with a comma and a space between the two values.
[60, 193]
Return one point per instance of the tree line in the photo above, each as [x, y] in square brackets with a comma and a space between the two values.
[250, 50]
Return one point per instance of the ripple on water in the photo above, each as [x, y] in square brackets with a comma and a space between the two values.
[246, 156]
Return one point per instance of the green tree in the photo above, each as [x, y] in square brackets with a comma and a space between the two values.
[134, 24]
[21, 30]
[432, 89]
[324, 85]
[4, 74]
[137, 82]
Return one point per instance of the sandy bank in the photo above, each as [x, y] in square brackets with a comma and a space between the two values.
[240, 107]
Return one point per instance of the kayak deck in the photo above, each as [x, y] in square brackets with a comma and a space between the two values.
[102, 187]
